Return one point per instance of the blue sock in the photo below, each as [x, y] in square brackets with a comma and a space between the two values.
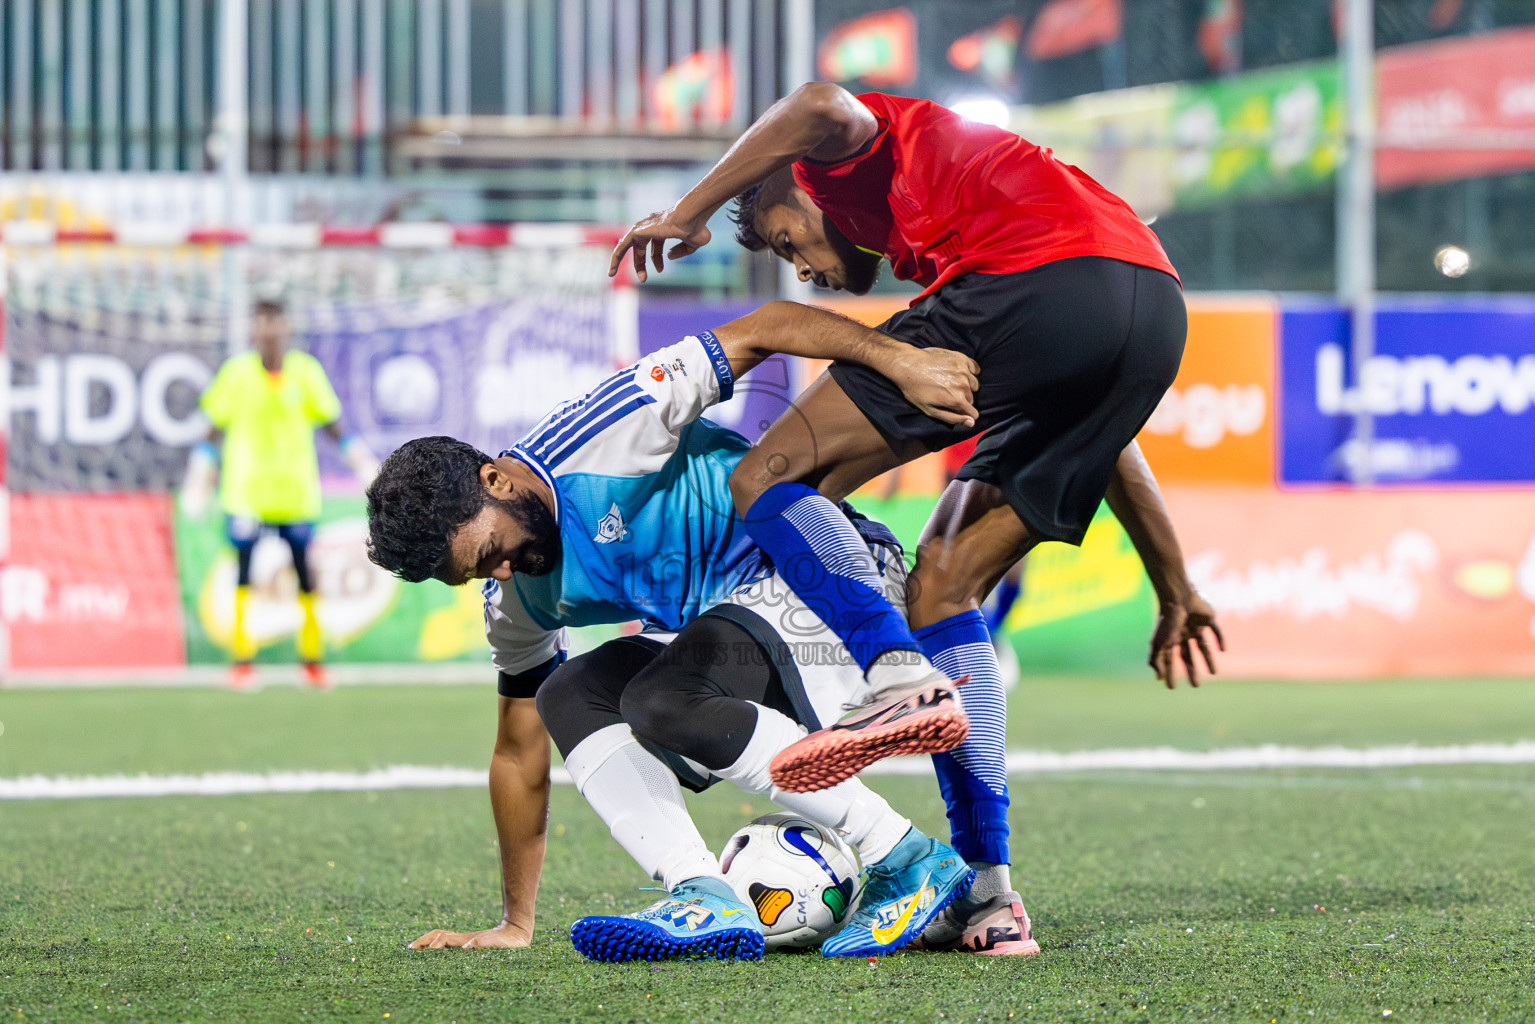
[973, 776]
[819, 553]
[1002, 601]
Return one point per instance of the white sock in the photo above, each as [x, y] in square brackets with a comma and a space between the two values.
[896, 669]
[990, 880]
[869, 824]
[640, 801]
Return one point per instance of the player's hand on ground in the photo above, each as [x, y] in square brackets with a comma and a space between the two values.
[502, 936]
[938, 381]
[654, 232]
[1183, 625]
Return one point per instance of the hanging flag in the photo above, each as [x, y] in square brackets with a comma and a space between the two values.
[879, 49]
[1443, 14]
[991, 52]
[1065, 27]
[698, 89]
[1220, 35]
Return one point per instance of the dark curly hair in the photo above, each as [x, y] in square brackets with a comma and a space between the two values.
[761, 196]
[424, 492]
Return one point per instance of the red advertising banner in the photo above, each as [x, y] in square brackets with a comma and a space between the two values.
[1366, 583]
[91, 583]
[1456, 108]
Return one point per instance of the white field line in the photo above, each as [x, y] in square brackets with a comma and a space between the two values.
[1019, 762]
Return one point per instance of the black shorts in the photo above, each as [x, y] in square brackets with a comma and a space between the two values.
[1074, 355]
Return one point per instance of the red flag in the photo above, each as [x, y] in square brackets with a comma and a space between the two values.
[879, 48]
[1220, 35]
[989, 52]
[1070, 26]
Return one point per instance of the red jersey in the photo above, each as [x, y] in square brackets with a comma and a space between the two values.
[940, 196]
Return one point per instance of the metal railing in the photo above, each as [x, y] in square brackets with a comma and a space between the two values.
[132, 85]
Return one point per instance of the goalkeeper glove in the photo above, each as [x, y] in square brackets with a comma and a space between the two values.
[360, 458]
[202, 475]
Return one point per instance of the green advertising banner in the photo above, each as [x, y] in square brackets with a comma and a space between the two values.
[1083, 609]
[366, 615]
[1160, 147]
[1262, 133]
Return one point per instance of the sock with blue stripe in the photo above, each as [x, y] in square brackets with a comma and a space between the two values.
[821, 555]
[973, 776]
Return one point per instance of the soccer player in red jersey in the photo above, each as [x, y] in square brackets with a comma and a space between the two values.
[1075, 323]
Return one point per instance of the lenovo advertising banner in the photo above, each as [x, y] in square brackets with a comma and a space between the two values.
[1451, 393]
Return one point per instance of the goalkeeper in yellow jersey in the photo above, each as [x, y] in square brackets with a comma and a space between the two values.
[265, 405]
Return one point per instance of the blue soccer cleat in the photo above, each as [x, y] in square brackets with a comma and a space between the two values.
[901, 894]
[700, 919]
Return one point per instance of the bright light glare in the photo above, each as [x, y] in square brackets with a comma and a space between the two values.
[983, 110]
[1452, 260]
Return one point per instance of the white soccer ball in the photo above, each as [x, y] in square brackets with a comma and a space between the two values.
[801, 877]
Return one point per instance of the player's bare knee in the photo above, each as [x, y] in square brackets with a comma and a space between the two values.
[758, 470]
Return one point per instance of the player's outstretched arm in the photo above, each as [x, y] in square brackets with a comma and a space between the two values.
[938, 381]
[1183, 615]
[519, 800]
[819, 120]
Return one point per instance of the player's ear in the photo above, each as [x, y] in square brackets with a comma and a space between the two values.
[495, 481]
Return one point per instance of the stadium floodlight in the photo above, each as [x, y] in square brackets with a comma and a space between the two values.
[1452, 260]
[990, 110]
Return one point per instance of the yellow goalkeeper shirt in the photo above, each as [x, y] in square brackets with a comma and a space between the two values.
[269, 470]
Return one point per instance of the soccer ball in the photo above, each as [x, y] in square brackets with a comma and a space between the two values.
[801, 878]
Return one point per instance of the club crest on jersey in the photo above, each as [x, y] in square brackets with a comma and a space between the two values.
[611, 527]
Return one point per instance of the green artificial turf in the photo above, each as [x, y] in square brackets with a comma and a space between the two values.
[106, 731]
[1249, 896]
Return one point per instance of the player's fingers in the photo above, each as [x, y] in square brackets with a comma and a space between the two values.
[1186, 654]
[637, 254]
[1219, 639]
[1165, 667]
[657, 247]
[680, 250]
[618, 252]
[942, 415]
[425, 942]
[1204, 649]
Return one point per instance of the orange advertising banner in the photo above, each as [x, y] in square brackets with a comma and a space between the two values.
[1216, 423]
[1341, 584]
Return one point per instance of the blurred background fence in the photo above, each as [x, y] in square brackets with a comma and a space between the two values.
[1349, 449]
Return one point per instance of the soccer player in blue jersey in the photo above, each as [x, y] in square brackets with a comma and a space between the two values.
[617, 507]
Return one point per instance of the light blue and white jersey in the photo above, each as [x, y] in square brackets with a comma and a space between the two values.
[648, 528]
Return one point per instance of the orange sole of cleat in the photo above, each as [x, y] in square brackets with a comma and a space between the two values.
[1028, 948]
[825, 758]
